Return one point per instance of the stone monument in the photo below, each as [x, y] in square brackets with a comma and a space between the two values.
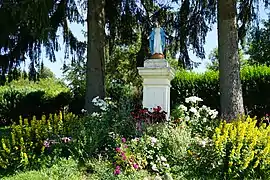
[157, 73]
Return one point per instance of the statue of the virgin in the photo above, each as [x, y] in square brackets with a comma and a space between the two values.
[157, 41]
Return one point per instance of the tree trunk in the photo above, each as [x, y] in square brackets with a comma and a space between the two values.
[95, 76]
[231, 98]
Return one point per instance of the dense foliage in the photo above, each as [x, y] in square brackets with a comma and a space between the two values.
[255, 82]
[258, 42]
[243, 149]
[26, 98]
[29, 25]
[112, 144]
[31, 142]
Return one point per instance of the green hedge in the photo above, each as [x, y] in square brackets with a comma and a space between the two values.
[255, 83]
[27, 98]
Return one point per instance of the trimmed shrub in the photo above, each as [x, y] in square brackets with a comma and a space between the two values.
[255, 84]
[25, 98]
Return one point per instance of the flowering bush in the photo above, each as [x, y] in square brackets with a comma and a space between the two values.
[31, 140]
[126, 159]
[201, 119]
[243, 149]
[144, 117]
[151, 147]
[202, 159]
[95, 135]
[140, 153]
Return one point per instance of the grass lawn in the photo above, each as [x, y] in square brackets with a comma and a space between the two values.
[69, 170]
[64, 170]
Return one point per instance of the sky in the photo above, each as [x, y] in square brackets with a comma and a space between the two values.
[211, 43]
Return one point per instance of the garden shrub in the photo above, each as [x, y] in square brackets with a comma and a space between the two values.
[144, 153]
[144, 118]
[243, 149]
[202, 161]
[94, 132]
[255, 85]
[102, 169]
[175, 141]
[201, 119]
[118, 91]
[26, 98]
[31, 141]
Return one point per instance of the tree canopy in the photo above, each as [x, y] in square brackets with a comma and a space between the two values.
[31, 25]
[259, 40]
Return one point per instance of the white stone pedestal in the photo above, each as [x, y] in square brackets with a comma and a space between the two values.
[157, 75]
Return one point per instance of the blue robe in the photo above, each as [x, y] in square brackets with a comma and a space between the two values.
[152, 37]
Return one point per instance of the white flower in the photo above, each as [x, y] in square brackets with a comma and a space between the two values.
[104, 107]
[100, 103]
[193, 99]
[162, 158]
[204, 107]
[135, 139]
[193, 110]
[182, 107]
[153, 140]
[213, 114]
[154, 167]
[84, 111]
[203, 143]
[204, 119]
[187, 118]
[94, 114]
[95, 100]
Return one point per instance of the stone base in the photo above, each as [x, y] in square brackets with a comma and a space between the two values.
[157, 75]
[157, 56]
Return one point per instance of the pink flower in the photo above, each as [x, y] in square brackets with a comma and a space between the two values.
[118, 149]
[136, 166]
[126, 146]
[117, 171]
[124, 140]
[123, 156]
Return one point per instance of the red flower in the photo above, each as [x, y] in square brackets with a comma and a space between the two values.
[157, 109]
